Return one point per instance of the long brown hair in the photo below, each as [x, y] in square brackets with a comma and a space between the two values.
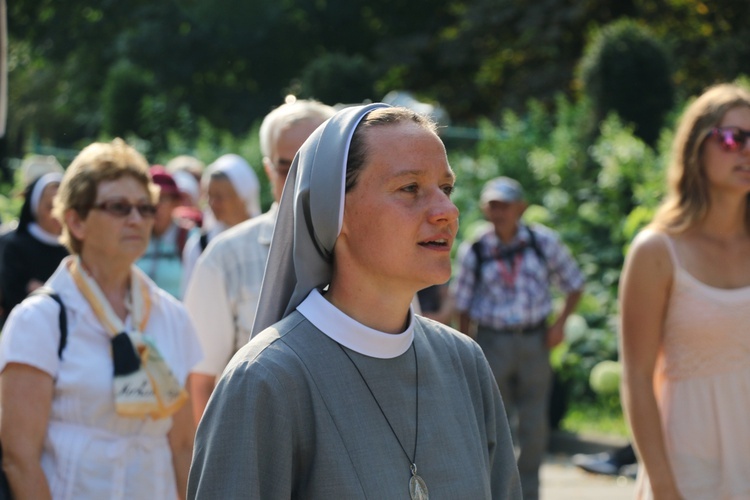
[687, 198]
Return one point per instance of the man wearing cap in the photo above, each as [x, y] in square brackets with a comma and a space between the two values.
[502, 295]
[222, 293]
[163, 258]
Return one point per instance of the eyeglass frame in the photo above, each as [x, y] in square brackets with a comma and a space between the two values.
[145, 210]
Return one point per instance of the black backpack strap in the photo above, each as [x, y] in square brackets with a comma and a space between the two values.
[535, 246]
[204, 241]
[476, 248]
[63, 318]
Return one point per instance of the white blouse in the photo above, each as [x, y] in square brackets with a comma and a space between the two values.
[89, 450]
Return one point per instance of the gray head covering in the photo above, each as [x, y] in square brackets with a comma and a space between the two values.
[309, 218]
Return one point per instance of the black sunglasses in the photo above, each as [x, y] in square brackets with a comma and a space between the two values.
[731, 139]
[120, 208]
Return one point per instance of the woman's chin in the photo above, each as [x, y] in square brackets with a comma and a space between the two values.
[444, 273]
[437, 277]
[132, 249]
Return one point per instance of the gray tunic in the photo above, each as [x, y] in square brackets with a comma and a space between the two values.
[292, 418]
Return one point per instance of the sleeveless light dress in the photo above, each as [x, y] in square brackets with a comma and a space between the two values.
[702, 384]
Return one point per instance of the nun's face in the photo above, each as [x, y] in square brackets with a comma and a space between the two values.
[399, 221]
[225, 203]
[44, 210]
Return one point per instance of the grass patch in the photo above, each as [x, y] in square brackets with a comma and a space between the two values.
[592, 418]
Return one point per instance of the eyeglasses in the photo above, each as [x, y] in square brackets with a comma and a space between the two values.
[118, 208]
[731, 139]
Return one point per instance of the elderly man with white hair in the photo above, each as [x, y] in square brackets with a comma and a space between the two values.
[223, 291]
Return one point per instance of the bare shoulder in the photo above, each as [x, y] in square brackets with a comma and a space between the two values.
[650, 243]
[649, 256]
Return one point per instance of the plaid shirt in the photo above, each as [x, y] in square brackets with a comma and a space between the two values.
[499, 301]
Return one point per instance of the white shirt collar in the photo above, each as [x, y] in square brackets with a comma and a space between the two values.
[62, 282]
[353, 334]
[40, 234]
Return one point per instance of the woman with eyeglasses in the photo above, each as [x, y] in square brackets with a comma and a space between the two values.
[685, 312]
[100, 412]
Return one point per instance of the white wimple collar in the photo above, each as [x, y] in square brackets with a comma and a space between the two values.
[351, 333]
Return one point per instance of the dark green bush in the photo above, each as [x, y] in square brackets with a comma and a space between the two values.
[627, 70]
[124, 91]
[337, 78]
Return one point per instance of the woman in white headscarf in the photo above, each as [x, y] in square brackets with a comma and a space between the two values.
[33, 251]
[343, 392]
[233, 197]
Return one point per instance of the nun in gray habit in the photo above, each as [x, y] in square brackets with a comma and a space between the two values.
[320, 405]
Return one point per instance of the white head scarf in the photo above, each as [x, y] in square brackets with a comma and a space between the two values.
[243, 179]
[187, 184]
[36, 193]
[309, 218]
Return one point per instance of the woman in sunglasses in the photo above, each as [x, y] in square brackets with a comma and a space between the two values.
[94, 406]
[685, 312]
[343, 392]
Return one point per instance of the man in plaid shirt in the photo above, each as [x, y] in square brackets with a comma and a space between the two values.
[502, 294]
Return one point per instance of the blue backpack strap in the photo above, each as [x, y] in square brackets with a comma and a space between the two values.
[62, 319]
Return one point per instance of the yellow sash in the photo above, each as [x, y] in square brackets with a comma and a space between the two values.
[143, 383]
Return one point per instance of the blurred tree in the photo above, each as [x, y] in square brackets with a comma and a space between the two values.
[625, 69]
[499, 53]
[336, 78]
[124, 91]
[231, 61]
[63, 54]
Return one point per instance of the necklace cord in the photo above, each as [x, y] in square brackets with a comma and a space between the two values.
[416, 429]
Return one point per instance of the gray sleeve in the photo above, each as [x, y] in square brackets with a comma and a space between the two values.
[244, 443]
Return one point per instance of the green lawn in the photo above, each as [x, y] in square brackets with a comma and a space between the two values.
[595, 419]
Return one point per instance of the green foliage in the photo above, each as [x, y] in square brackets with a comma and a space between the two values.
[337, 78]
[595, 418]
[573, 360]
[10, 203]
[124, 92]
[627, 70]
[229, 61]
[605, 378]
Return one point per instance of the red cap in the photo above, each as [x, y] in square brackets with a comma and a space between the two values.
[164, 180]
